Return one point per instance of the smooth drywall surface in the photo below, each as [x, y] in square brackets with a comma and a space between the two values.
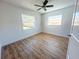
[11, 23]
[64, 28]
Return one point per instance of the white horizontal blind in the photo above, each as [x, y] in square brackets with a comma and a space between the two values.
[55, 20]
[28, 21]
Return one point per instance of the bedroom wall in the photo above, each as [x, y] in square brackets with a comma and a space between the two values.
[64, 28]
[11, 23]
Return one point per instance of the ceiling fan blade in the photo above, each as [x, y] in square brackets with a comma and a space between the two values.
[45, 2]
[39, 9]
[38, 5]
[50, 6]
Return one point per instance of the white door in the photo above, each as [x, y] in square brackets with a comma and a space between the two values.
[73, 49]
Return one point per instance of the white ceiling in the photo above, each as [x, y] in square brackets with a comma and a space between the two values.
[58, 4]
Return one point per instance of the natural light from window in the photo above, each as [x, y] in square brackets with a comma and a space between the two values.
[55, 20]
[28, 21]
[76, 23]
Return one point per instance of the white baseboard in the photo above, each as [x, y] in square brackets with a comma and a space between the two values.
[21, 38]
[68, 57]
[75, 38]
[56, 34]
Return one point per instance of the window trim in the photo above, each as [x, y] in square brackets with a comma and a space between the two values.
[54, 20]
[23, 22]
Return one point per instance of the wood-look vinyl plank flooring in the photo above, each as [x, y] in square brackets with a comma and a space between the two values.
[40, 46]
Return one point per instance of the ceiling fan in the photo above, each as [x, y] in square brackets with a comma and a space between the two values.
[44, 5]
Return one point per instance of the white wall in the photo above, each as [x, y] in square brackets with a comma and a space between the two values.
[11, 23]
[62, 30]
[73, 49]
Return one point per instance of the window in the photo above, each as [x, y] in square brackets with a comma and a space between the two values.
[76, 22]
[55, 20]
[28, 21]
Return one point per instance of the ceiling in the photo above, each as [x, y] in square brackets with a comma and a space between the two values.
[58, 4]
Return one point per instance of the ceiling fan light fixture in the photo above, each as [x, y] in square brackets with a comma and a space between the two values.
[44, 6]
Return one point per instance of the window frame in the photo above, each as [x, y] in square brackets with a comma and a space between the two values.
[32, 26]
[53, 20]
